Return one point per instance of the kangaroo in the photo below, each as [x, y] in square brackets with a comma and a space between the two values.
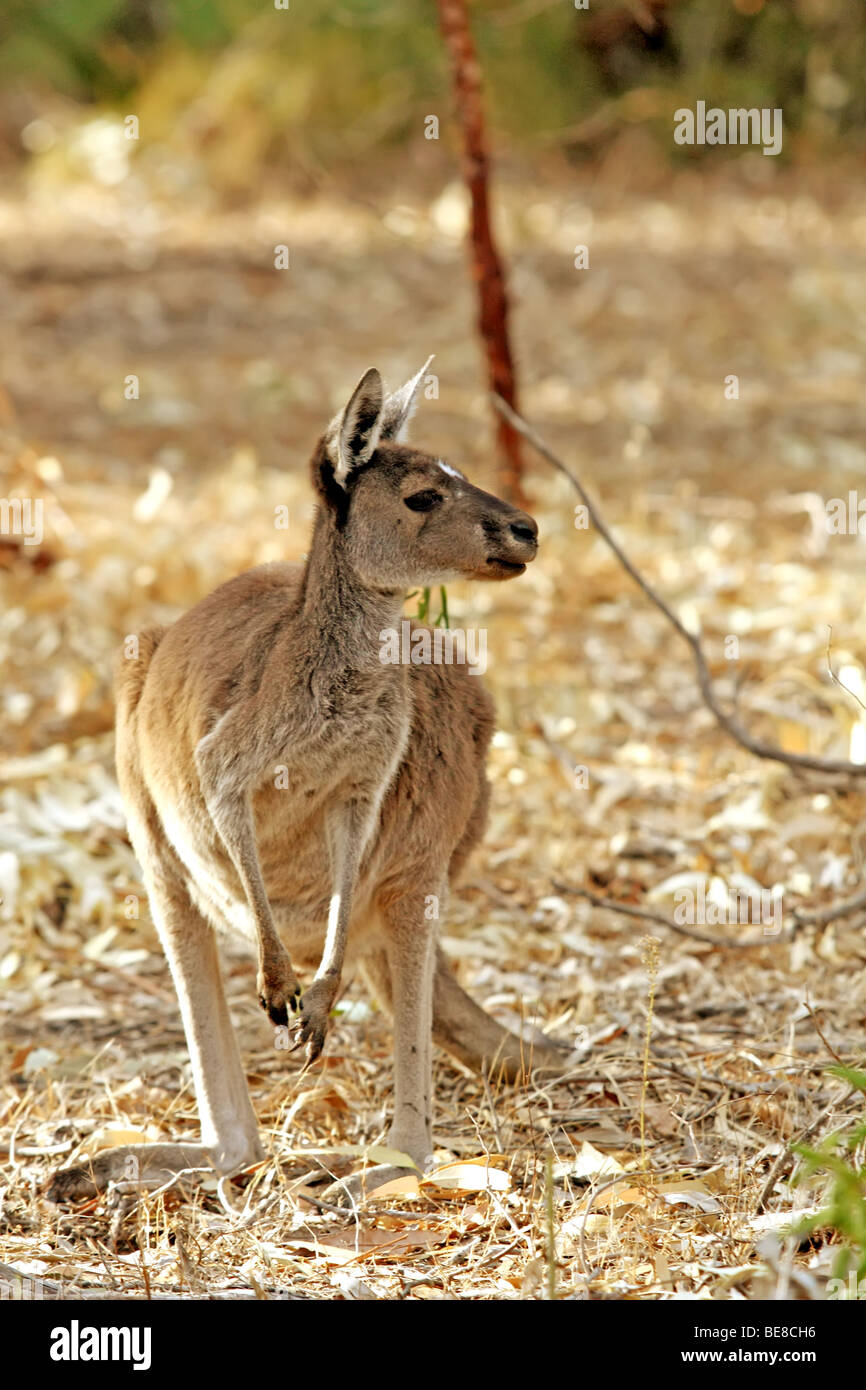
[284, 782]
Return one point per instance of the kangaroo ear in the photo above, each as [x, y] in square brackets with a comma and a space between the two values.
[400, 407]
[352, 436]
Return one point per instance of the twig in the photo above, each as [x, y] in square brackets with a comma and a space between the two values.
[651, 961]
[816, 1025]
[635, 1178]
[742, 1089]
[647, 915]
[758, 747]
[832, 674]
[786, 1157]
[550, 1221]
[494, 1121]
[822, 915]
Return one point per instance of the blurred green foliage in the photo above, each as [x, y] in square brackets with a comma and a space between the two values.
[340, 75]
[842, 1158]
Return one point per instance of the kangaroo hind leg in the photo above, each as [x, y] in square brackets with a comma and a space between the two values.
[229, 1133]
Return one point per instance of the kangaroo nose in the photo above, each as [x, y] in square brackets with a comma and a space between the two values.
[524, 529]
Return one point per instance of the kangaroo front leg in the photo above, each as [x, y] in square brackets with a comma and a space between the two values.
[278, 986]
[348, 829]
[228, 802]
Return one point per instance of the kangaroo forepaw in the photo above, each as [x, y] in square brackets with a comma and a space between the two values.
[279, 990]
[312, 1025]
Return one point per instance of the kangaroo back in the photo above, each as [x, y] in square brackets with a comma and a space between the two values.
[130, 672]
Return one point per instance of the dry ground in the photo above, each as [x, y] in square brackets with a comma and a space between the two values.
[150, 503]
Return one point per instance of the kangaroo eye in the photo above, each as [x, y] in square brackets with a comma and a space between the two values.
[423, 501]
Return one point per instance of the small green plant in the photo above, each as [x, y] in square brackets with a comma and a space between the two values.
[425, 600]
[843, 1158]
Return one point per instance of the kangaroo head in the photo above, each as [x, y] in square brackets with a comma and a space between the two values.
[406, 517]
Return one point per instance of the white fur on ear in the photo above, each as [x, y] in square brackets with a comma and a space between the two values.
[352, 436]
[400, 406]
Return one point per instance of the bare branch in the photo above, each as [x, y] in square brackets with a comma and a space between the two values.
[820, 916]
[647, 915]
[832, 674]
[761, 749]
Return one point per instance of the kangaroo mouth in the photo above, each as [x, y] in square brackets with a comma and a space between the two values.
[506, 567]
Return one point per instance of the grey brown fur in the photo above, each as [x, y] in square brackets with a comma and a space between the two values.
[281, 782]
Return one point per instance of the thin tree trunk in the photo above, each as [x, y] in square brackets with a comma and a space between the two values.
[486, 265]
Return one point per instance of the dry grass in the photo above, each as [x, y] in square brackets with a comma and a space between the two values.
[713, 500]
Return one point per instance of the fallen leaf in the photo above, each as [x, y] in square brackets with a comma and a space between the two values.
[470, 1175]
[588, 1162]
[342, 1247]
[397, 1187]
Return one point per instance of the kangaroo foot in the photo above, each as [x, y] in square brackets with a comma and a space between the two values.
[351, 1190]
[139, 1165]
